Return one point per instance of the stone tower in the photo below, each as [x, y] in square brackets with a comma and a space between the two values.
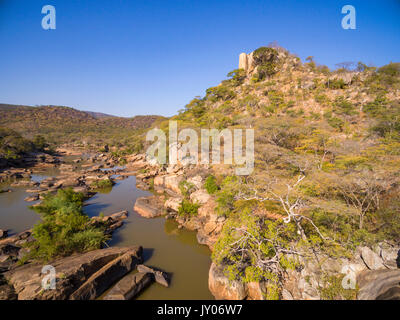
[246, 62]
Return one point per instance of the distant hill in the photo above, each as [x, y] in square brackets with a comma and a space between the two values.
[99, 115]
[62, 124]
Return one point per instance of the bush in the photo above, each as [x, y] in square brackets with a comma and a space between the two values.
[336, 84]
[40, 143]
[13, 145]
[211, 184]
[196, 107]
[343, 106]
[237, 77]
[266, 60]
[226, 196]
[188, 208]
[64, 228]
[102, 184]
[220, 93]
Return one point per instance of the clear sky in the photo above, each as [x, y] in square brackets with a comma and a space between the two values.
[152, 57]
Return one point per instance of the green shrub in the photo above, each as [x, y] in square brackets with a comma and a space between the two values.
[220, 93]
[343, 106]
[64, 228]
[40, 142]
[226, 196]
[188, 208]
[266, 60]
[237, 77]
[196, 107]
[101, 184]
[335, 84]
[13, 145]
[333, 289]
[211, 184]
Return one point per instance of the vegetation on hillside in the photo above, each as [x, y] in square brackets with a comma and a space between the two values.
[60, 125]
[327, 159]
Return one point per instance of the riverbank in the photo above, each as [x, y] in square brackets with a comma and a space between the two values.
[165, 246]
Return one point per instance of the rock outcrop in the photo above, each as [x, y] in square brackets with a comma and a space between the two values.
[379, 284]
[102, 279]
[222, 288]
[129, 286]
[79, 271]
[148, 207]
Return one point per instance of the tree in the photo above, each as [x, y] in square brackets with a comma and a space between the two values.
[345, 66]
[40, 142]
[290, 201]
[362, 191]
[237, 76]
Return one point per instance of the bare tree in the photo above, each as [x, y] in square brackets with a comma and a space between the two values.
[362, 191]
[347, 65]
[290, 202]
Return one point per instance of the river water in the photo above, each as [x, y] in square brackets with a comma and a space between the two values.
[165, 246]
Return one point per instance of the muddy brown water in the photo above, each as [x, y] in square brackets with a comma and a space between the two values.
[165, 246]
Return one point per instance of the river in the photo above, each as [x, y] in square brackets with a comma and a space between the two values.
[165, 245]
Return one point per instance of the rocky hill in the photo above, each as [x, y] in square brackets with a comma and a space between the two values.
[324, 194]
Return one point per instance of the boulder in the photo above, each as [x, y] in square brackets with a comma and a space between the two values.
[71, 273]
[223, 289]
[371, 259]
[207, 209]
[197, 181]
[378, 284]
[129, 286]
[3, 234]
[256, 291]
[200, 196]
[159, 181]
[390, 255]
[102, 279]
[31, 198]
[120, 215]
[159, 276]
[172, 182]
[69, 182]
[15, 238]
[173, 204]
[148, 207]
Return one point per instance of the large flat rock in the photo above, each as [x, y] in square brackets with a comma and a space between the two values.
[71, 273]
[102, 279]
[129, 286]
[148, 207]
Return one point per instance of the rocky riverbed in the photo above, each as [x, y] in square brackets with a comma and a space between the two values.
[81, 174]
[376, 269]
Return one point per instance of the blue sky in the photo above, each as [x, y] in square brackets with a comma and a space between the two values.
[152, 57]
